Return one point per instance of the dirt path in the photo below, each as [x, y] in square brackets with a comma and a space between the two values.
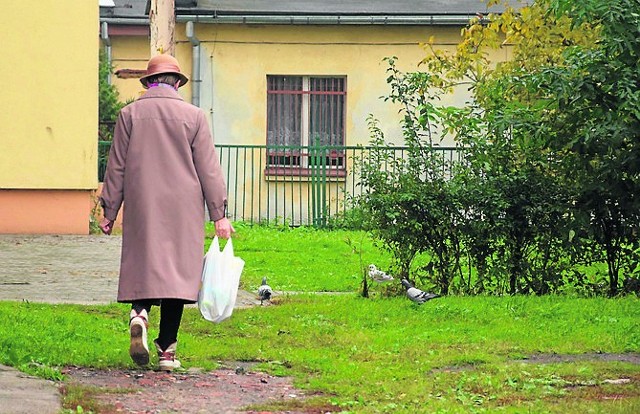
[221, 391]
[227, 391]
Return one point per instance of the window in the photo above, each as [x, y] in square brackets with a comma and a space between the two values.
[304, 112]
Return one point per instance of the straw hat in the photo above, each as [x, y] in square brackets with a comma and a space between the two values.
[163, 64]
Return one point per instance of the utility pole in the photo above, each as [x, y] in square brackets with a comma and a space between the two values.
[162, 24]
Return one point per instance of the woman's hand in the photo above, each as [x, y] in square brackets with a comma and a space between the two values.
[106, 226]
[224, 228]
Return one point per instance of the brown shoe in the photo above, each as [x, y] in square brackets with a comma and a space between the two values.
[167, 358]
[138, 349]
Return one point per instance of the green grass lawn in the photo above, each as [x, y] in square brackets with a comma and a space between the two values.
[378, 355]
[304, 259]
[454, 354]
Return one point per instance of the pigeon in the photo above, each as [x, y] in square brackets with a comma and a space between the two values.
[264, 291]
[417, 295]
[378, 275]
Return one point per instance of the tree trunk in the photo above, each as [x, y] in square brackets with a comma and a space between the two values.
[162, 24]
[365, 284]
[613, 268]
[515, 269]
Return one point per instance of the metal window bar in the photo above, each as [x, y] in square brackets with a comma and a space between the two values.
[304, 111]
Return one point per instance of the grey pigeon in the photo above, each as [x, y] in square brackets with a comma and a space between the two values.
[417, 295]
[378, 275]
[264, 291]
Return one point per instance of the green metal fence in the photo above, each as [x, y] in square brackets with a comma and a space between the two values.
[297, 185]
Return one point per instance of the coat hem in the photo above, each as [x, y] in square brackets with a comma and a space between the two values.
[157, 301]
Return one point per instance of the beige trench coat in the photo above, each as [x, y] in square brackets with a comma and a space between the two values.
[164, 166]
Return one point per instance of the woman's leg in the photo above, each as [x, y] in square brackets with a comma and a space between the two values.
[170, 317]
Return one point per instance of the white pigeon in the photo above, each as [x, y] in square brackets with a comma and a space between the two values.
[417, 295]
[378, 275]
[264, 291]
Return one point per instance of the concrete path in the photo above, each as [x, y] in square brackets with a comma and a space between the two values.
[66, 269]
[57, 269]
[22, 394]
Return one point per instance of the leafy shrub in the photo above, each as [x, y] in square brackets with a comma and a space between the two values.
[109, 104]
[408, 201]
[550, 177]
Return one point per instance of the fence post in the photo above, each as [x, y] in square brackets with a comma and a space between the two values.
[318, 161]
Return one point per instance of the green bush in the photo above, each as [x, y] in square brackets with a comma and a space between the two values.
[109, 104]
[408, 201]
[551, 139]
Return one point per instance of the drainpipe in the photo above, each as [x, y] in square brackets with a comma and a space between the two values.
[104, 35]
[195, 63]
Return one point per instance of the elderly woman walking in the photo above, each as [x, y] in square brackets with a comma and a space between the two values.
[164, 167]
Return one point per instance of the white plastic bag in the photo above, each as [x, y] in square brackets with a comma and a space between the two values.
[220, 280]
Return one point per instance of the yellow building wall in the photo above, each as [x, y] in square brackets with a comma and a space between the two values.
[240, 57]
[49, 116]
[49, 96]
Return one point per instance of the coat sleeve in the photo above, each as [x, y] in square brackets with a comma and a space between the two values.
[207, 164]
[113, 187]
